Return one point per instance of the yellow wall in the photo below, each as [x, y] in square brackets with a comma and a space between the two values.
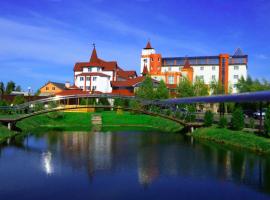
[50, 88]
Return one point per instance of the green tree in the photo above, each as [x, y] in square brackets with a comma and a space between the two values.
[222, 122]
[18, 88]
[18, 100]
[10, 87]
[216, 88]
[267, 121]
[208, 118]
[238, 122]
[2, 88]
[184, 88]
[146, 89]
[162, 91]
[200, 88]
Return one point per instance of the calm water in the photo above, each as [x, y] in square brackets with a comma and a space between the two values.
[127, 165]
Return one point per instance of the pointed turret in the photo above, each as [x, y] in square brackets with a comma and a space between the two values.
[145, 70]
[94, 57]
[148, 45]
[187, 64]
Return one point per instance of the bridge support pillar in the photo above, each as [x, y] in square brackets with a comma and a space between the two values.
[191, 129]
[10, 126]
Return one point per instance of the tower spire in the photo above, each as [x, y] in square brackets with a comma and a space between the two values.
[94, 57]
[148, 45]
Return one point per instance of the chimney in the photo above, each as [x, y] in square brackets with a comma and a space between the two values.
[67, 84]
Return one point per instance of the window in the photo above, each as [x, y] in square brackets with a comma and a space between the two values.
[145, 60]
[47, 88]
[169, 69]
[158, 59]
[88, 78]
[98, 69]
[235, 77]
[200, 77]
[81, 87]
[94, 78]
[201, 68]
[213, 77]
[171, 80]
[152, 59]
[89, 69]
[236, 67]
[94, 87]
[53, 88]
[213, 68]
[81, 78]
[87, 87]
[234, 86]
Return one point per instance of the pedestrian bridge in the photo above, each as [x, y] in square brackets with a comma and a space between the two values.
[62, 103]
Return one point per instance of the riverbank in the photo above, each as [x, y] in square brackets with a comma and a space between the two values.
[238, 139]
[5, 134]
[111, 121]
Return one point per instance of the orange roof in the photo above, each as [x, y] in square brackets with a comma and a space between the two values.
[74, 87]
[93, 74]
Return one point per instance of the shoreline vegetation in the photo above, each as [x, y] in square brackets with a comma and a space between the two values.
[236, 139]
[125, 121]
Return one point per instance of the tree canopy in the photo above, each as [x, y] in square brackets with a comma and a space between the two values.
[186, 89]
[250, 85]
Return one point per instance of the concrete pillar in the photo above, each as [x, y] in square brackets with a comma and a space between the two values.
[10, 126]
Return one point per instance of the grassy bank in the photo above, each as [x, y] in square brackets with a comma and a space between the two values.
[111, 122]
[238, 139]
[140, 122]
[5, 133]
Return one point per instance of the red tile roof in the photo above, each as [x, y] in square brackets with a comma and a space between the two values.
[96, 62]
[73, 87]
[93, 74]
[71, 92]
[123, 92]
[126, 74]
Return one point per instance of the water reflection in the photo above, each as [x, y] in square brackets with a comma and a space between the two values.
[148, 157]
[46, 159]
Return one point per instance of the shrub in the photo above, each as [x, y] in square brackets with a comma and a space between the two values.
[55, 115]
[251, 123]
[238, 119]
[222, 122]
[18, 100]
[267, 121]
[208, 118]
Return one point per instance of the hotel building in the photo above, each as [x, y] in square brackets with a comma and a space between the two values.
[225, 68]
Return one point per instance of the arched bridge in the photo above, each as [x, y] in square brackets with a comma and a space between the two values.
[57, 103]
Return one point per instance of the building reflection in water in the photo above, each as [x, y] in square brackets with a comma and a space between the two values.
[46, 159]
[154, 156]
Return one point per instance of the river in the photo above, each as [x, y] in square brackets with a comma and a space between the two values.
[129, 165]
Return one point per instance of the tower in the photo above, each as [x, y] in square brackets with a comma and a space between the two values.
[150, 60]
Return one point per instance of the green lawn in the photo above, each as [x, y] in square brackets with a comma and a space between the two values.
[110, 119]
[129, 121]
[239, 139]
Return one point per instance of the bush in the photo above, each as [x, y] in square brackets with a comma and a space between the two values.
[238, 119]
[55, 115]
[18, 100]
[222, 122]
[251, 122]
[208, 118]
[267, 121]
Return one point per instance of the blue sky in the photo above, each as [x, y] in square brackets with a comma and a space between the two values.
[40, 40]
